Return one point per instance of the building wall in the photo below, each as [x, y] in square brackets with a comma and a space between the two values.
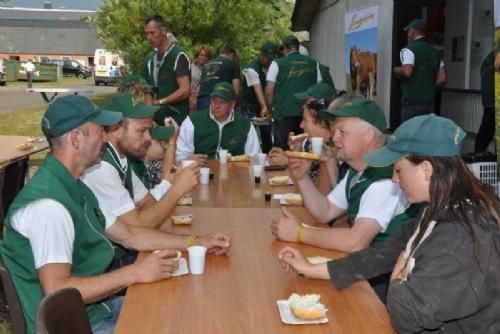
[327, 42]
[38, 57]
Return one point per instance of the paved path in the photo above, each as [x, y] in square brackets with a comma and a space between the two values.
[14, 98]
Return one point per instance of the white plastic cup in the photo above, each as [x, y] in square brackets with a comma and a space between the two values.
[223, 156]
[204, 175]
[261, 159]
[317, 145]
[185, 163]
[197, 259]
[257, 170]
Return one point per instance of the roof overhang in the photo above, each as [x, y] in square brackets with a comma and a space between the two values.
[304, 13]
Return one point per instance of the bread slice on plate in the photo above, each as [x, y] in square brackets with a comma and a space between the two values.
[280, 180]
[182, 219]
[293, 199]
[306, 307]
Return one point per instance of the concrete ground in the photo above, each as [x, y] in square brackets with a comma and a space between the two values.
[14, 97]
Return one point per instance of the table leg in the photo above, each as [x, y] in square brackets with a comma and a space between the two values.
[48, 99]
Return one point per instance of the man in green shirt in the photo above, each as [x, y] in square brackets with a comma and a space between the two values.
[55, 233]
[418, 73]
[291, 74]
[222, 68]
[167, 69]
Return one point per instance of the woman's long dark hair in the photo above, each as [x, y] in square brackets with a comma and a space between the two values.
[454, 189]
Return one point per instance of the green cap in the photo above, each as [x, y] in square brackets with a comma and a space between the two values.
[359, 107]
[318, 91]
[290, 40]
[270, 50]
[224, 90]
[417, 24]
[427, 135]
[69, 112]
[130, 106]
[133, 80]
[162, 133]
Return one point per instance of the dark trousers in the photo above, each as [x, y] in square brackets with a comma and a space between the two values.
[486, 130]
[282, 127]
[408, 112]
[29, 76]
[265, 138]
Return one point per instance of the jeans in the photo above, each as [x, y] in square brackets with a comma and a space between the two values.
[282, 127]
[203, 102]
[408, 112]
[29, 76]
[486, 130]
[107, 326]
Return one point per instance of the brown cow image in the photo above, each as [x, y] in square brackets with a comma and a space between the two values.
[364, 64]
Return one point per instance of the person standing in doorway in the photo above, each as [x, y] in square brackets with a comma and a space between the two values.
[418, 73]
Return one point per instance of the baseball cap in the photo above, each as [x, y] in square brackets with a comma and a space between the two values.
[162, 133]
[427, 135]
[130, 106]
[318, 91]
[224, 90]
[69, 112]
[270, 50]
[359, 107]
[417, 24]
[290, 40]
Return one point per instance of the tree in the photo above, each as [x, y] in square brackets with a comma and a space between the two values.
[246, 24]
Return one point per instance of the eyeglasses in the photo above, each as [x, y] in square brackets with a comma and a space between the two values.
[317, 104]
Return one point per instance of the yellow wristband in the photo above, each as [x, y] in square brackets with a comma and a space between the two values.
[191, 240]
[300, 232]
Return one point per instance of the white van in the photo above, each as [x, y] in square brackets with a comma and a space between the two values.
[107, 66]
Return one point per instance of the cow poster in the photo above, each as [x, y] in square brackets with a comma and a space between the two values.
[361, 27]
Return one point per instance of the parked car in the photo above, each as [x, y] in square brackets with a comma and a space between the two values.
[74, 68]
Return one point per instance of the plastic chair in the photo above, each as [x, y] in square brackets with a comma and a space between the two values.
[62, 312]
[15, 310]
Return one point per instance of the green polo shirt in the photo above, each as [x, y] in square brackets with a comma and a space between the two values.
[217, 70]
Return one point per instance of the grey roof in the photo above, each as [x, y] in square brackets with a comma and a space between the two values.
[47, 31]
[304, 12]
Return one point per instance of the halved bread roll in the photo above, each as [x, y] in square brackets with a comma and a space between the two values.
[182, 219]
[306, 307]
[293, 199]
[24, 147]
[280, 180]
[243, 157]
[303, 155]
[299, 137]
[318, 259]
[185, 200]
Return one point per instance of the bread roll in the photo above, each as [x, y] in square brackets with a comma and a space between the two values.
[306, 307]
[318, 259]
[299, 137]
[185, 200]
[293, 199]
[303, 155]
[280, 180]
[243, 157]
[24, 147]
[182, 219]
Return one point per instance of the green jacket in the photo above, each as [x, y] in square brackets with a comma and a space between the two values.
[354, 194]
[296, 73]
[167, 84]
[208, 139]
[248, 97]
[420, 87]
[92, 251]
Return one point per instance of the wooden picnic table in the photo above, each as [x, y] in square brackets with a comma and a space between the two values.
[238, 293]
[45, 91]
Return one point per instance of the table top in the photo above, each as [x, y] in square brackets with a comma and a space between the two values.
[58, 90]
[238, 292]
[9, 153]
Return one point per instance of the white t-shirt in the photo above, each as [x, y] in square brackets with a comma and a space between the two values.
[185, 141]
[29, 67]
[105, 182]
[382, 200]
[251, 77]
[48, 226]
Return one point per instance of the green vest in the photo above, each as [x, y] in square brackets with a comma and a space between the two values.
[217, 70]
[109, 155]
[326, 76]
[296, 73]
[208, 139]
[167, 84]
[354, 194]
[420, 87]
[488, 81]
[92, 251]
[248, 97]
[141, 171]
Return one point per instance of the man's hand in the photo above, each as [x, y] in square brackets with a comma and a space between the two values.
[187, 178]
[286, 228]
[298, 168]
[293, 260]
[157, 266]
[277, 157]
[169, 121]
[217, 243]
[201, 158]
[400, 269]
[264, 113]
